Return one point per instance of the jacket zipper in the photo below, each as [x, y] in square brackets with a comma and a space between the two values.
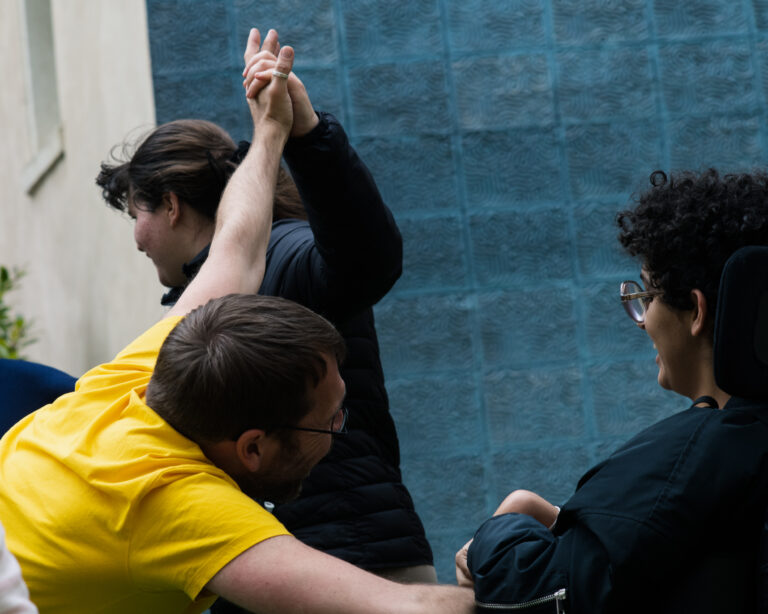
[558, 597]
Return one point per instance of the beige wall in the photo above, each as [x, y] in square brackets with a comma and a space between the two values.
[87, 289]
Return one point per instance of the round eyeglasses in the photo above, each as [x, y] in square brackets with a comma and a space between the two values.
[338, 424]
[635, 299]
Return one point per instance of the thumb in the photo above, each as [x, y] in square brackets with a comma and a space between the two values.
[284, 61]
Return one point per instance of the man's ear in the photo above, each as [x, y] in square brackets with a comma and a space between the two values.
[172, 208]
[250, 449]
[699, 313]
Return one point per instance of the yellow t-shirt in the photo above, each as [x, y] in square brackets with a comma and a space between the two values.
[109, 509]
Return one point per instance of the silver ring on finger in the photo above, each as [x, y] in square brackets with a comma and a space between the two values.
[282, 75]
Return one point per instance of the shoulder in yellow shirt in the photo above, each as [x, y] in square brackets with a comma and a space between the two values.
[109, 509]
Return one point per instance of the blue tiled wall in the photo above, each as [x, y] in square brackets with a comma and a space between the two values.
[505, 135]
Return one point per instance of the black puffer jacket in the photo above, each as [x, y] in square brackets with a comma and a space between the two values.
[353, 505]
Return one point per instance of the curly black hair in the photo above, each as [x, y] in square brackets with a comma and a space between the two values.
[685, 227]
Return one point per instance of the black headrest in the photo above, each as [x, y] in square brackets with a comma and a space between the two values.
[741, 325]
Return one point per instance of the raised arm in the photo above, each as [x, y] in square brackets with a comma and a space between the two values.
[237, 255]
[283, 576]
[356, 240]
[352, 253]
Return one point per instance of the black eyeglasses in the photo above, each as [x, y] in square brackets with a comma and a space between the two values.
[635, 299]
[338, 424]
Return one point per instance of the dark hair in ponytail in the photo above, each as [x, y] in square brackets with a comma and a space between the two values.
[192, 158]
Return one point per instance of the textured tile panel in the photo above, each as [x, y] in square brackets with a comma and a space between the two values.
[425, 333]
[413, 172]
[609, 158]
[324, 90]
[760, 8]
[452, 490]
[503, 92]
[402, 98]
[512, 247]
[534, 404]
[520, 165]
[551, 471]
[187, 36]
[436, 415]
[708, 77]
[628, 398]
[521, 327]
[309, 27]
[702, 17]
[727, 142]
[216, 97]
[495, 25]
[376, 30]
[606, 82]
[599, 21]
[599, 253]
[433, 253]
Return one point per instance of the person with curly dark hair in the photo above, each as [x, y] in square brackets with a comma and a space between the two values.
[686, 226]
[671, 521]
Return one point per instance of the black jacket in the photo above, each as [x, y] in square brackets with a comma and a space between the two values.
[347, 257]
[680, 506]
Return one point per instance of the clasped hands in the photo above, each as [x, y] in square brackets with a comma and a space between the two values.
[261, 59]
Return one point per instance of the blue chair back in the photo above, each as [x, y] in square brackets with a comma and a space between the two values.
[27, 386]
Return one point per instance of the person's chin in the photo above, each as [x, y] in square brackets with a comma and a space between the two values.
[662, 379]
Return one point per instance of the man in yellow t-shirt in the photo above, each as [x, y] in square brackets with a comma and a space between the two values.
[99, 486]
[135, 493]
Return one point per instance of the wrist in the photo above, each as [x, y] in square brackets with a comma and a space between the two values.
[306, 129]
[271, 133]
[557, 514]
[305, 124]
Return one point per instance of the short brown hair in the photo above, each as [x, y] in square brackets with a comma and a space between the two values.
[192, 158]
[238, 362]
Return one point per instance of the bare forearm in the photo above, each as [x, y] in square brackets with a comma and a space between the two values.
[282, 575]
[243, 231]
[435, 598]
[236, 260]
